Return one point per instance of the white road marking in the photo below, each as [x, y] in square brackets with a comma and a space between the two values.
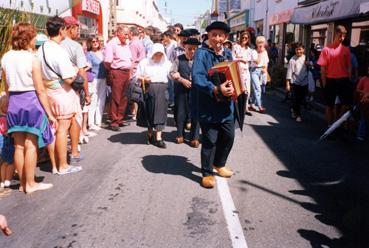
[230, 214]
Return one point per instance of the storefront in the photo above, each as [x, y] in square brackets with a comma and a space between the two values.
[282, 32]
[320, 19]
[89, 14]
[238, 23]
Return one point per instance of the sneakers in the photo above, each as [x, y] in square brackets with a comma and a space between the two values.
[5, 184]
[83, 139]
[223, 171]
[208, 182]
[70, 169]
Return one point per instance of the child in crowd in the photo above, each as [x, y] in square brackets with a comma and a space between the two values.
[6, 146]
[297, 81]
[363, 97]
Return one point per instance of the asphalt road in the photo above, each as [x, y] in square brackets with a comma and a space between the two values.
[288, 191]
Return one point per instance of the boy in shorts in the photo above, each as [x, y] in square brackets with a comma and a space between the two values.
[335, 62]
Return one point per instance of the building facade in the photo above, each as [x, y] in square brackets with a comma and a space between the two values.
[140, 13]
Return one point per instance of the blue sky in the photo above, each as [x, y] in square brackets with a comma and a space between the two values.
[184, 11]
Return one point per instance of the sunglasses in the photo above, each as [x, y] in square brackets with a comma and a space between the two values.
[245, 38]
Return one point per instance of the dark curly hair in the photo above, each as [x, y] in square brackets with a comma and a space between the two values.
[22, 35]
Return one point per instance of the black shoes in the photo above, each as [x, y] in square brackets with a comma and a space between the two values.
[150, 139]
[160, 144]
[115, 128]
[124, 124]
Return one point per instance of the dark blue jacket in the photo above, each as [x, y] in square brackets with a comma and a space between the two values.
[204, 105]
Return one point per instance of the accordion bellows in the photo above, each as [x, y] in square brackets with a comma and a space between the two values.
[228, 70]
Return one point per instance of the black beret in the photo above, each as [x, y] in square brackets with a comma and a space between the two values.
[185, 33]
[192, 41]
[193, 31]
[218, 25]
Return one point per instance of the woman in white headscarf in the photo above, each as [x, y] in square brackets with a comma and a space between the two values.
[154, 71]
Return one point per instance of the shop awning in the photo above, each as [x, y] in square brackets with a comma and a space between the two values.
[364, 8]
[327, 11]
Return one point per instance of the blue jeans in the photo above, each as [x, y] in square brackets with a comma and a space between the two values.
[256, 87]
[361, 130]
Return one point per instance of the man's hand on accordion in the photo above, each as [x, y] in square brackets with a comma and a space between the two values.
[227, 89]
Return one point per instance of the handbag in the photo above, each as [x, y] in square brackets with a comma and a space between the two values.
[78, 82]
[136, 92]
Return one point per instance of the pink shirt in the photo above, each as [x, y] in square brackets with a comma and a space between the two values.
[138, 52]
[337, 60]
[118, 55]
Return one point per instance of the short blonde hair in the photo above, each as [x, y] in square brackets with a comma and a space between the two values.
[260, 39]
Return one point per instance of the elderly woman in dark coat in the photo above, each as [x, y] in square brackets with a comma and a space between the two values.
[154, 71]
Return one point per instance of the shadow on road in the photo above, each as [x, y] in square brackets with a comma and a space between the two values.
[138, 138]
[333, 173]
[171, 165]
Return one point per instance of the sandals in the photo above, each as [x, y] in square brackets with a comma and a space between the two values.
[70, 169]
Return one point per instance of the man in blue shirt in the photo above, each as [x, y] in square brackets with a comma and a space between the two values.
[212, 105]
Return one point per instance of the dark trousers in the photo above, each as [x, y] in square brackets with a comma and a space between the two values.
[217, 142]
[119, 87]
[182, 112]
[298, 95]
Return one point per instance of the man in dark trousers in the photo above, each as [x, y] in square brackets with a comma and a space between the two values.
[181, 73]
[213, 107]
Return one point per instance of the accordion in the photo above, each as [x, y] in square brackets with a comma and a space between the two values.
[228, 70]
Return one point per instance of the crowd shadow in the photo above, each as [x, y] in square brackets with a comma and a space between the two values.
[136, 138]
[333, 173]
[171, 165]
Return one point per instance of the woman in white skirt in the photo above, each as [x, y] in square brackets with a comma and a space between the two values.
[242, 53]
[96, 58]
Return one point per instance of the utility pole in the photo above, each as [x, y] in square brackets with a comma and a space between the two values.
[112, 18]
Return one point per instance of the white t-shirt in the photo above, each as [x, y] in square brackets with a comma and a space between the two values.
[264, 59]
[58, 59]
[18, 70]
[239, 52]
[157, 72]
[297, 71]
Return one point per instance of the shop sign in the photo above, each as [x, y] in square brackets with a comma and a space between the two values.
[281, 17]
[326, 11]
[92, 6]
[239, 20]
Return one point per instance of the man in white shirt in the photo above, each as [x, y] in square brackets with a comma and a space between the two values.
[58, 73]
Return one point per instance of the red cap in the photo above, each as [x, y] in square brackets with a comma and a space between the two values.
[70, 21]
